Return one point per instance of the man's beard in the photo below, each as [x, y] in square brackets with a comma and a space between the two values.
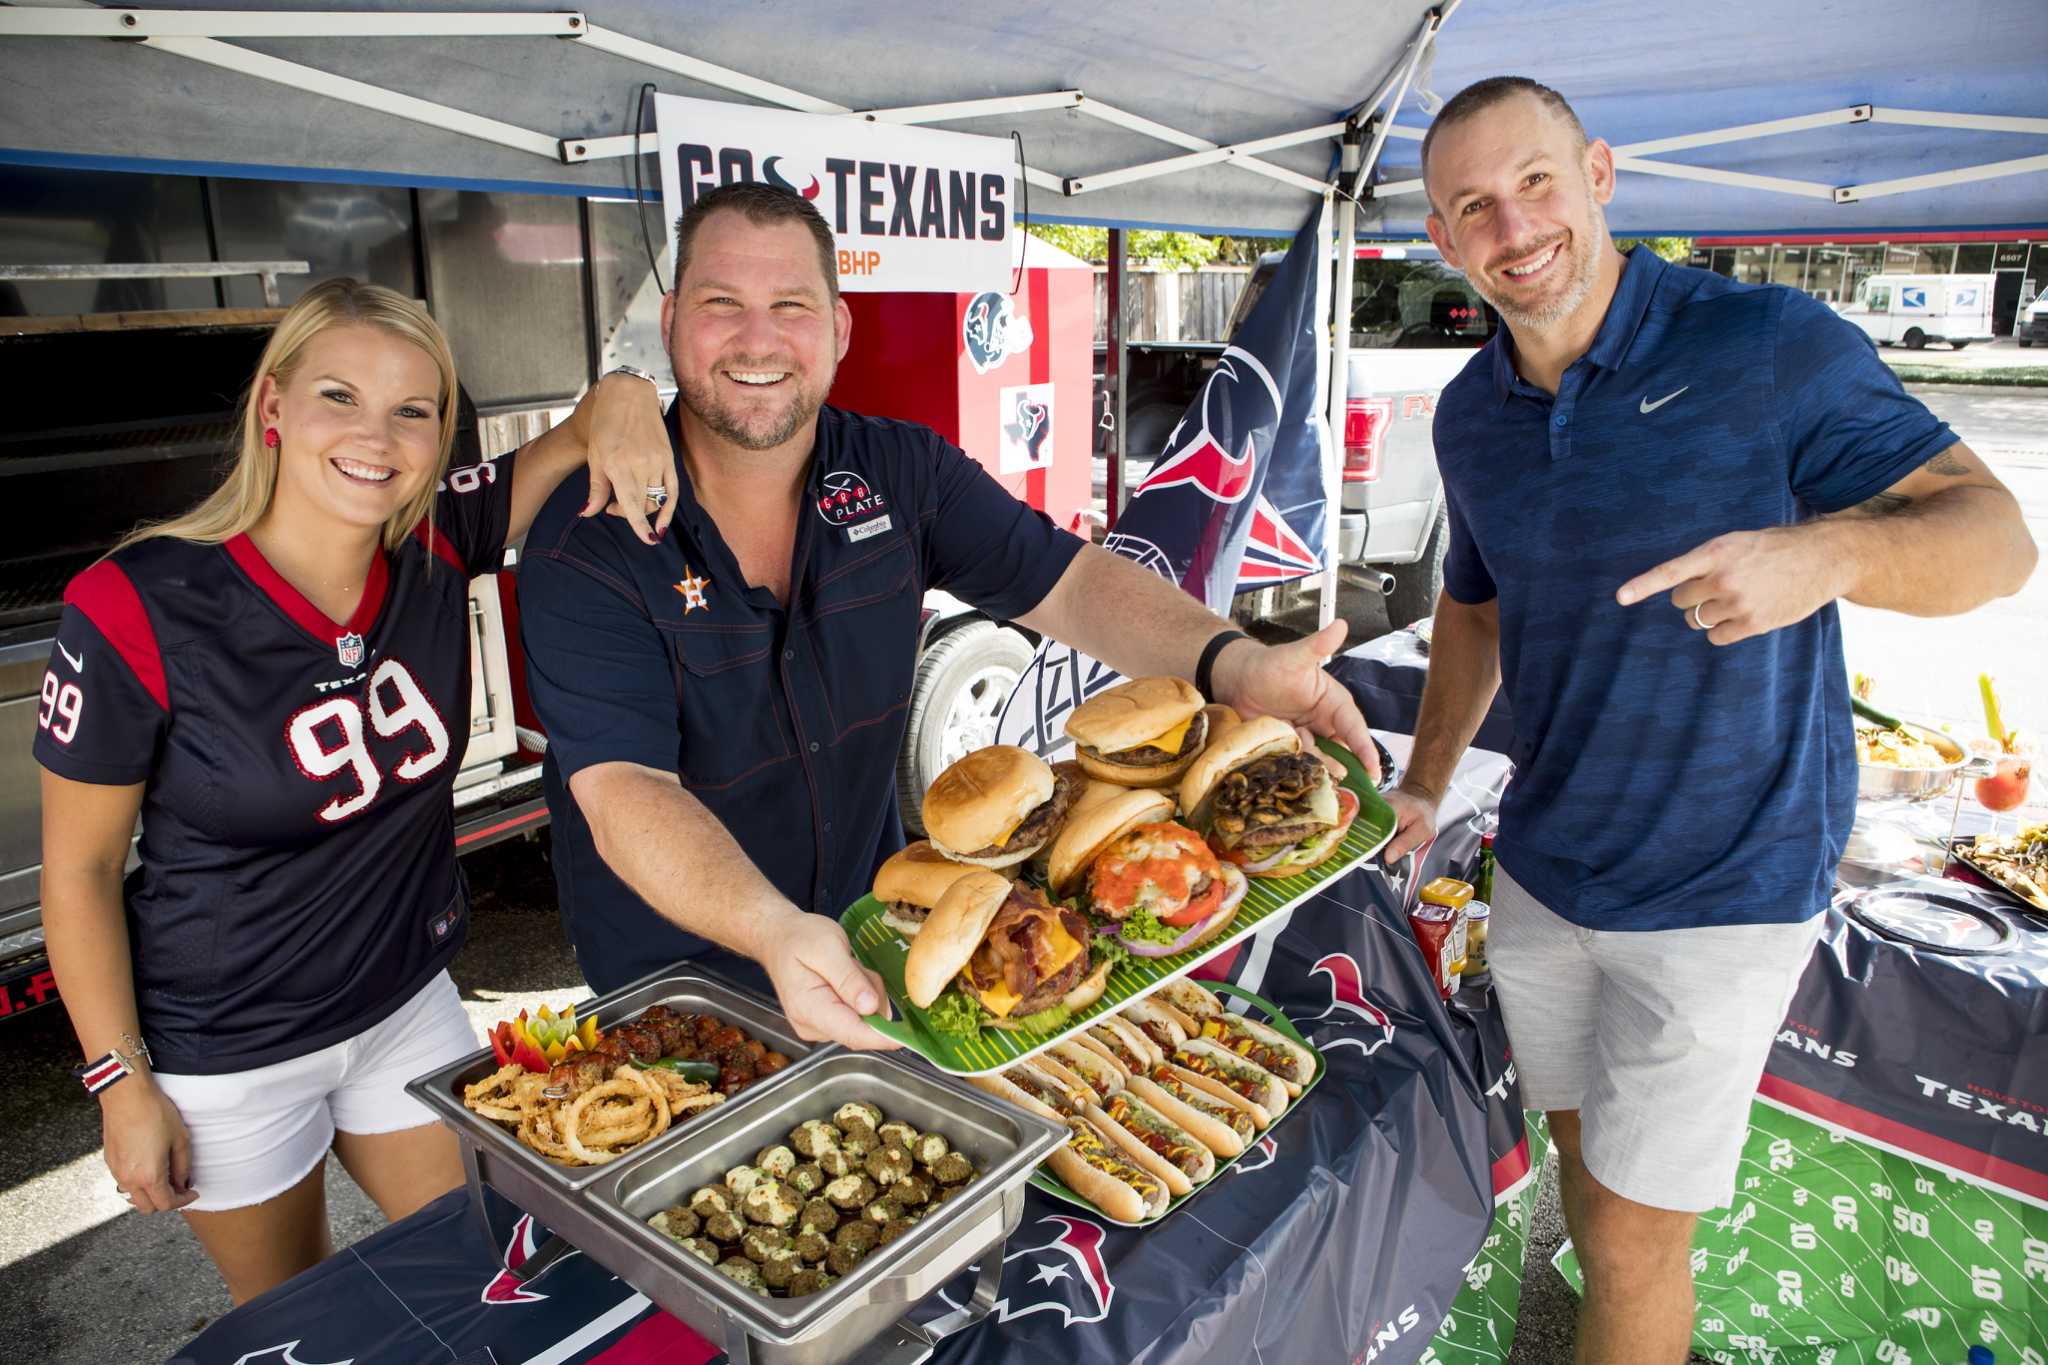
[1582, 257]
[757, 430]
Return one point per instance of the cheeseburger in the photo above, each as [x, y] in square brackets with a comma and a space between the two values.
[1263, 803]
[1142, 733]
[1160, 887]
[998, 955]
[910, 883]
[997, 806]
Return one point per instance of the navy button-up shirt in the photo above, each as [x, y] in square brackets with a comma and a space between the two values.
[784, 721]
[1664, 781]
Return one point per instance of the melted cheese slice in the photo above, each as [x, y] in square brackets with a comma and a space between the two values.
[1170, 741]
[1004, 837]
[1000, 1000]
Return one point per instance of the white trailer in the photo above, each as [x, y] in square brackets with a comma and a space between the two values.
[1917, 309]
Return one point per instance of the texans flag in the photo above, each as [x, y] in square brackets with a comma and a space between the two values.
[1235, 502]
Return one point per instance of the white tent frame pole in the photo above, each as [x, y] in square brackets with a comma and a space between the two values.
[1150, 170]
[1398, 84]
[1983, 123]
[1995, 170]
[204, 23]
[1339, 382]
[248, 62]
[1676, 170]
[1137, 123]
[706, 73]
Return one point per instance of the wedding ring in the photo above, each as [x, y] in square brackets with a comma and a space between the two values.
[657, 494]
[1697, 624]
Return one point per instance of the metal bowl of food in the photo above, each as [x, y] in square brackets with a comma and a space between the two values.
[1905, 761]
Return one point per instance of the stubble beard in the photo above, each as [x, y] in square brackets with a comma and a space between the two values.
[756, 431]
[1583, 257]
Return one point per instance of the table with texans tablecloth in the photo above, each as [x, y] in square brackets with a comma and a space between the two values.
[1345, 1236]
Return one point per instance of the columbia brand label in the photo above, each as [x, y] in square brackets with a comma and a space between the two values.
[867, 529]
[848, 499]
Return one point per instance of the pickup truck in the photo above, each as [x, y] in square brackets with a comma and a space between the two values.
[1414, 324]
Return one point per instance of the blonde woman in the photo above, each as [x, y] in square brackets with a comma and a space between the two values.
[277, 683]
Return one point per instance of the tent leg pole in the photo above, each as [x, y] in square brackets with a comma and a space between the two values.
[1117, 379]
[1340, 388]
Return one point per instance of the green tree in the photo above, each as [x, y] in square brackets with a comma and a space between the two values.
[1165, 250]
[1670, 248]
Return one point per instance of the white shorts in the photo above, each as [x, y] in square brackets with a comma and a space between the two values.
[1657, 1038]
[255, 1134]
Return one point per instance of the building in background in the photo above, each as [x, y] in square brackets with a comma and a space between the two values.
[1830, 269]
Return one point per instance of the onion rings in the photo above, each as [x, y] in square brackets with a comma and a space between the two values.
[601, 1124]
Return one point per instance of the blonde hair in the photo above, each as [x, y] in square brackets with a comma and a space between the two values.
[244, 496]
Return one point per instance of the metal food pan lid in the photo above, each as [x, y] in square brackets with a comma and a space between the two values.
[441, 1090]
[1005, 1143]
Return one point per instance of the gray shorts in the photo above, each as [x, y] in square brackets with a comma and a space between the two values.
[1656, 1038]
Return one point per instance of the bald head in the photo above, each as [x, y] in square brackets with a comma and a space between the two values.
[1480, 96]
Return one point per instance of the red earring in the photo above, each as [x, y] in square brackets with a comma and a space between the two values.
[271, 438]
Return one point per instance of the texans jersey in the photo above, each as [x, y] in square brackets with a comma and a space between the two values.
[298, 880]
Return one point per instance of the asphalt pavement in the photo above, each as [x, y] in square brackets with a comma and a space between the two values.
[83, 1280]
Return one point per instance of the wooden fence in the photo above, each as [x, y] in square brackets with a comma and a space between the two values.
[1169, 305]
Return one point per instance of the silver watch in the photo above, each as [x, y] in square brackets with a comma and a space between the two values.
[633, 370]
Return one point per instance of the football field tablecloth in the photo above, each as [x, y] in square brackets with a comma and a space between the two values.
[1836, 1252]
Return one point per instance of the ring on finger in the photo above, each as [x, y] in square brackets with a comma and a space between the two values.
[657, 494]
[1697, 624]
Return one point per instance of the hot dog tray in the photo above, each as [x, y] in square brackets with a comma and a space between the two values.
[1045, 1180]
[1265, 905]
[500, 1159]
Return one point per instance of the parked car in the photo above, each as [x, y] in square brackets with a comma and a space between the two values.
[2033, 323]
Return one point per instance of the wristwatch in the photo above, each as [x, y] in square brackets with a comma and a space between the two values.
[633, 370]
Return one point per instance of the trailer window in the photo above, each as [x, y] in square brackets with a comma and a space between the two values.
[1419, 304]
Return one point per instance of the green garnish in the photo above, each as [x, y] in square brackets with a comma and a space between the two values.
[954, 1013]
[1142, 923]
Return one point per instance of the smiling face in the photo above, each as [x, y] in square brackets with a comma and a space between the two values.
[359, 422]
[754, 334]
[1516, 204]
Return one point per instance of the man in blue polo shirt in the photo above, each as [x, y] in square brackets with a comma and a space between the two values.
[724, 712]
[1659, 483]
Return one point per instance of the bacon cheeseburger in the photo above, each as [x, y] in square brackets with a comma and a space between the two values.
[1264, 804]
[1157, 883]
[1000, 956]
[910, 883]
[1142, 733]
[997, 806]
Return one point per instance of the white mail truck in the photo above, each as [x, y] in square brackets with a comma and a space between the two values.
[1917, 309]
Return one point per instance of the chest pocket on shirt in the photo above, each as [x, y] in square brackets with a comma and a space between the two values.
[860, 634]
[729, 705]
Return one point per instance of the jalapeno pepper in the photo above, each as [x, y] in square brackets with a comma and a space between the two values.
[698, 1073]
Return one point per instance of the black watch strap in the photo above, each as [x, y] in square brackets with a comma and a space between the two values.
[1210, 652]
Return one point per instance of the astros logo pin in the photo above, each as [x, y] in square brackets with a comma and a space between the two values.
[692, 588]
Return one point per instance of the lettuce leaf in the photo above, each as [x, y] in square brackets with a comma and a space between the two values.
[1045, 1021]
[1146, 925]
[1105, 948]
[953, 1013]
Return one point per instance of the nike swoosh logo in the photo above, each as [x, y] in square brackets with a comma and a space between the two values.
[76, 661]
[1649, 407]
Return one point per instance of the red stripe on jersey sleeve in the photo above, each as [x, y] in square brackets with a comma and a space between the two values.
[109, 600]
[439, 544]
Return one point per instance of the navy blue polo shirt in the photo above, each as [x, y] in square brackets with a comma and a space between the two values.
[1663, 781]
[784, 722]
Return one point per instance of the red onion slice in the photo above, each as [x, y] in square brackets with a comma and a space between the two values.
[1234, 888]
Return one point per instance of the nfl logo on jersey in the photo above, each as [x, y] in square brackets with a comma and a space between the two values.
[349, 648]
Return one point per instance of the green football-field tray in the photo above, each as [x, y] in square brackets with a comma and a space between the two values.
[1054, 1186]
[884, 951]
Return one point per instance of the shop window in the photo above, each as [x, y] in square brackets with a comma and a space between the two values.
[1753, 264]
[1974, 258]
[1788, 266]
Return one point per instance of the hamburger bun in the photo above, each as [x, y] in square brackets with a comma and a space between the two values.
[976, 804]
[1094, 827]
[1131, 715]
[916, 875]
[953, 930]
[1242, 743]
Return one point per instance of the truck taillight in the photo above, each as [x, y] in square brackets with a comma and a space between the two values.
[1365, 429]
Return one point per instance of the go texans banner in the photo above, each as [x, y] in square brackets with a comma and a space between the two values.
[1235, 501]
[913, 209]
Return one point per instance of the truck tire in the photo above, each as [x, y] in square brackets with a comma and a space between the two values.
[1957, 345]
[2024, 343]
[962, 682]
[1915, 339]
[1416, 585]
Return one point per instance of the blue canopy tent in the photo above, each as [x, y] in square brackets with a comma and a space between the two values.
[1144, 113]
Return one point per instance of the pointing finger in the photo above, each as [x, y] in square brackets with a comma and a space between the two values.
[1669, 574]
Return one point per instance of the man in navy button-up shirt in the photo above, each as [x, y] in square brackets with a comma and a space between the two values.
[1659, 483]
[724, 712]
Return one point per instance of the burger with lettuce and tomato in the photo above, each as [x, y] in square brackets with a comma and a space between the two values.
[1153, 885]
